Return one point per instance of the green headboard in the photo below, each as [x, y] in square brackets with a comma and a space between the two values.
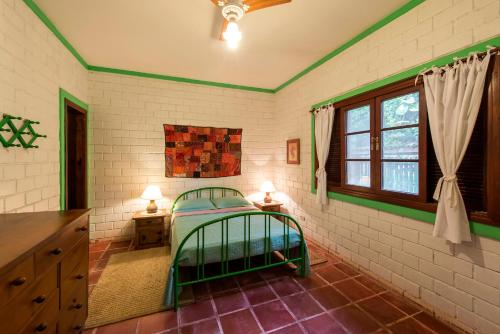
[207, 192]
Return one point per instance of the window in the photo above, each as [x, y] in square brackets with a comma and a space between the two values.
[383, 140]
[357, 146]
[381, 149]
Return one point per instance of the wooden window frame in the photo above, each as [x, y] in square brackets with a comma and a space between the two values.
[372, 98]
[490, 106]
[422, 144]
[343, 146]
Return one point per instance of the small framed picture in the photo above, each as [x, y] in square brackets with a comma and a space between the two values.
[293, 151]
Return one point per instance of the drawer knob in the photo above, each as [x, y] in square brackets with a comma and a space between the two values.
[83, 228]
[80, 276]
[56, 251]
[18, 281]
[78, 306]
[39, 299]
[41, 327]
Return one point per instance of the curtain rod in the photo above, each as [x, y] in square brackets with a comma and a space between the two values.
[491, 50]
[322, 107]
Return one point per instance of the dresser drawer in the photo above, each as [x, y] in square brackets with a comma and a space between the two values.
[76, 256]
[56, 249]
[16, 280]
[74, 310]
[77, 279]
[150, 221]
[45, 322]
[272, 208]
[14, 316]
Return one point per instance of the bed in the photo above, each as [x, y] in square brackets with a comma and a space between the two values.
[221, 242]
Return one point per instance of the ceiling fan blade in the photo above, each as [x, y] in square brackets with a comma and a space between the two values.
[223, 28]
[261, 4]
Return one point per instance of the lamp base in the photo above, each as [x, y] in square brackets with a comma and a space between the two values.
[268, 198]
[152, 208]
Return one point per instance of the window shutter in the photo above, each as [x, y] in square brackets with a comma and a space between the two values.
[333, 163]
[471, 174]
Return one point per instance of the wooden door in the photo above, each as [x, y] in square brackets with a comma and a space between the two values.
[76, 156]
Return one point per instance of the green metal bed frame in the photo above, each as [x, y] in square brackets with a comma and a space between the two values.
[199, 234]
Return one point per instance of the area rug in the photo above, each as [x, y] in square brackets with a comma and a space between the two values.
[131, 285]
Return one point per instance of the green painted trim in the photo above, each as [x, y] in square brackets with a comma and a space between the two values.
[48, 23]
[478, 229]
[178, 79]
[447, 59]
[51, 26]
[386, 20]
[64, 95]
[391, 17]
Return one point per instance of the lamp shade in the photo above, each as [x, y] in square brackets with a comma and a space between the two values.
[267, 187]
[152, 193]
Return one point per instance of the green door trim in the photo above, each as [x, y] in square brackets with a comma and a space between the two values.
[63, 96]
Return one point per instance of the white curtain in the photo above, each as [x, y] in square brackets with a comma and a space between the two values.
[453, 97]
[323, 125]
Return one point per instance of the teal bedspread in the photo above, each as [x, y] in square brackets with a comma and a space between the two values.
[185, 224]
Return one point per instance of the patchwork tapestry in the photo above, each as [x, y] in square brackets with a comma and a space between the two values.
[196, 152]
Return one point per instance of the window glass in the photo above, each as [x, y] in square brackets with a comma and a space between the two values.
[400, 144]
[358, 173]
[358, 146]
[400, 111]
[400, 177]
[358, 119]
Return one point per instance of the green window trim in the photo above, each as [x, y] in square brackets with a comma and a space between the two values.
[64, 95]
[478, 229]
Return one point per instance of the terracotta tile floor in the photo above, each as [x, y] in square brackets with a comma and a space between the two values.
[335, 298]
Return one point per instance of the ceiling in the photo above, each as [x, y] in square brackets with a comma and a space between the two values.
[179, 37]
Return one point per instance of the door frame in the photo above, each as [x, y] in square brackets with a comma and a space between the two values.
[64, 98]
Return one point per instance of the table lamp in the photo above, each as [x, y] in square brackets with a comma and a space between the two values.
[267, 187]
[152, 193]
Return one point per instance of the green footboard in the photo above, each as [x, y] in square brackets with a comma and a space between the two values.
[285, 236]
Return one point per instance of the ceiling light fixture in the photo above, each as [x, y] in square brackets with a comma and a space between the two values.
[233, 11]
[232, 35]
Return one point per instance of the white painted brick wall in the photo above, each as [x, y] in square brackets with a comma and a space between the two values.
[33, 66]
[459, 283]
[127, 117]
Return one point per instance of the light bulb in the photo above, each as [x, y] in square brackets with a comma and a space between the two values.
[232, 35]
[232, 44]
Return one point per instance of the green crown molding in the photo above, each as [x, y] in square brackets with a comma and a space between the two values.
[447, 59]
[386, 20]
[478, 229]
[391, 17]
[178, 79]
[64, 95]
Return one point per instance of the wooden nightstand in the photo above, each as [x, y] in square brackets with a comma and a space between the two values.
[271, 207]
[150, 228]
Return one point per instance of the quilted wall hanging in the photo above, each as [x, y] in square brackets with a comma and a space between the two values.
[202, 152]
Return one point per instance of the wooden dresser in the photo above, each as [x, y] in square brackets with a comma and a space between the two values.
[44, 272]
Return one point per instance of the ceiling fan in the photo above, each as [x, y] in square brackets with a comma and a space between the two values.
[233, 11]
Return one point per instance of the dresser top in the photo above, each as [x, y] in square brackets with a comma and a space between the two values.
[21, 232]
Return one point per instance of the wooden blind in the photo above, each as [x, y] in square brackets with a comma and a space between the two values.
[470, 175]
[333, 163]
